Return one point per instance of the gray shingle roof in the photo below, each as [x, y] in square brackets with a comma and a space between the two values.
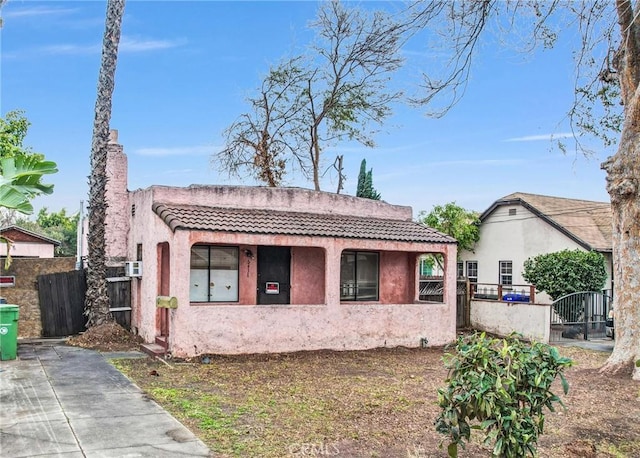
[586, 221]
[258, 221]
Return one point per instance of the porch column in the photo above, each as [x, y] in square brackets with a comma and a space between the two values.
[332, 274]
[451, 281]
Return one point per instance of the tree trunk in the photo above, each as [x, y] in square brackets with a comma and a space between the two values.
[340, 170]
[315, 156]
[97, 299]
[623, 173]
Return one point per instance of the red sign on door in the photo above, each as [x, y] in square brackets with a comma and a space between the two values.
[272, 287]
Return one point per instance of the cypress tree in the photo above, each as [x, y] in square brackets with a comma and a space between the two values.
[365, 183]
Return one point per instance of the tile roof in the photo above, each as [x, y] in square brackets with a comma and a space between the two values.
[587, 222]
[258, 221]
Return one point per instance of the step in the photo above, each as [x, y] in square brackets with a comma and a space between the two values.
[163, 342]
[153, 349]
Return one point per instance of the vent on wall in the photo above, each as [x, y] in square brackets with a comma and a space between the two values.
[513, 211]
[133, 268]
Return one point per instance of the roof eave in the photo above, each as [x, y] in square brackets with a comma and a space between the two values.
[165, 213]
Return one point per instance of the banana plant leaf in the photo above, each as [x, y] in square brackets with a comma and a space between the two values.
[20, 181]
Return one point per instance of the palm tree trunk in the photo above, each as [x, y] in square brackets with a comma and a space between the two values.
[97, 299]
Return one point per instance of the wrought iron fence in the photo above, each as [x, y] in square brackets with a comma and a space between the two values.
[580, 315]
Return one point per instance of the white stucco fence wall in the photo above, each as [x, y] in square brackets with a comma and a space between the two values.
[533, 321]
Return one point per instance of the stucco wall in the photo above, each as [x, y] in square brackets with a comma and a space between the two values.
[307, 275]
[281, 199]
[286, 328]
[25, 292]
[533, 321]
[395, 269]
[29, 249]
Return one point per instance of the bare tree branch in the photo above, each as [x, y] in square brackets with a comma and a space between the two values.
[335, 92]
[260, 141]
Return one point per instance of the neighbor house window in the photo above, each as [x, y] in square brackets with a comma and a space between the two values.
[359, 279]
[426, 266]
[472, 271]
[214, 274]
[459, 269]
[506, 272]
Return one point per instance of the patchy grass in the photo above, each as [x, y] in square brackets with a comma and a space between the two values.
[378, 403]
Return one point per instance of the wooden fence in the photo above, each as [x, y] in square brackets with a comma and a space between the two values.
[62, 298]
[62, 303]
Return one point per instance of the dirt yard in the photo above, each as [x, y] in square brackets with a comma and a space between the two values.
[377, 403]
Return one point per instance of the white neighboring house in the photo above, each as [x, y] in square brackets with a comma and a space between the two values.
[27, 244]
[519, 226]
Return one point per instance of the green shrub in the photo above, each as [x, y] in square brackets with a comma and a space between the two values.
[502, 386]
[565, 272]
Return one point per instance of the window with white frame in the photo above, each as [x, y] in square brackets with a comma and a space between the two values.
[459, 269]
[359, 278]
[214, 274]
[506, 272]
[472, 271]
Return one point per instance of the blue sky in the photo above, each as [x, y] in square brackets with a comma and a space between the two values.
[185, 69]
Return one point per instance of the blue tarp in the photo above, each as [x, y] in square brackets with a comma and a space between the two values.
[515, 297]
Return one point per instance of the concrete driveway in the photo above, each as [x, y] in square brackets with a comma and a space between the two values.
[60, 401]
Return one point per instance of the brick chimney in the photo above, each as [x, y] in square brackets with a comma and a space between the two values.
[117, 222]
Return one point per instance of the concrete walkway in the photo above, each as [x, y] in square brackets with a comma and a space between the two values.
[605, 345]
[60, 401]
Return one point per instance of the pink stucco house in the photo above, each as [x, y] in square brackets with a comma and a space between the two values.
[27, 244]
[240, 269]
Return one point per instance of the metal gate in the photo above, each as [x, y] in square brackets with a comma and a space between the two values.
[579, 316]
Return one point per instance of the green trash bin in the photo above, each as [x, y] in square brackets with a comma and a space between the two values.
[8, 331]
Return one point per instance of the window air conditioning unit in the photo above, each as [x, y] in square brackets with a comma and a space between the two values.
[133, 268]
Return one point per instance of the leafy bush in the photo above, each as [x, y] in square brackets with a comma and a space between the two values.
[566, 271]
[502, 385]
